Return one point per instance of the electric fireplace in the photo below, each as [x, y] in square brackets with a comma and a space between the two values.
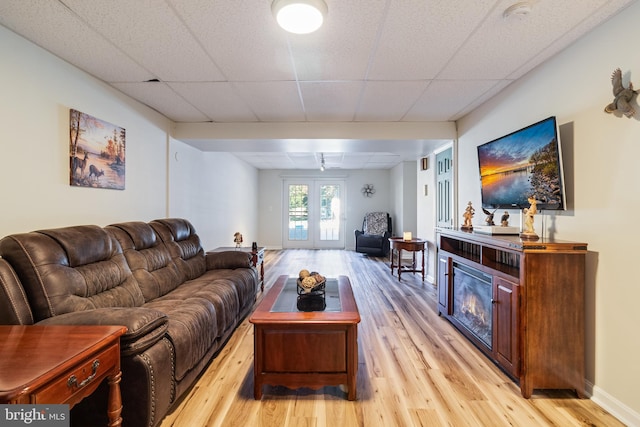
[472, 302]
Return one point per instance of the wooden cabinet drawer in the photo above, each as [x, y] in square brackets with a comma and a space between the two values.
[309, 350]
[80, 379]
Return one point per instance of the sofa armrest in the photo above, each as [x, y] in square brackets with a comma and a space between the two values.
[228, 260]
[14, 307]
[145, 326]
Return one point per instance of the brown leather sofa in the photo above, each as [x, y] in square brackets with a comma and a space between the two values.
[180, 304]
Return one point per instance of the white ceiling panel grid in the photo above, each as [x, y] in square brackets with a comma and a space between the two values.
[373, 61]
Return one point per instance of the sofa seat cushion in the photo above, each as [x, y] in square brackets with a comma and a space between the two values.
[193, 328]
[221, 294]
[370, 241]
[244, 280]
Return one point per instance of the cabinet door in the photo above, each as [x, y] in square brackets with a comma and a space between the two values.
[444, 266]
[505, 323]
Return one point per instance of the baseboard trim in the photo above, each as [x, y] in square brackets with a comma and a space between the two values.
[616, 408]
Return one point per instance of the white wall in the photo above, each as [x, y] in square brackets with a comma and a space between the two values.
[164, 177]
[217, 192]
[403, 198]
[426, 212]
[270, 202]
[601, 154]
[38, 90]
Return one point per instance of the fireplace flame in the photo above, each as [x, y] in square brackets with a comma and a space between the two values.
[471, 306]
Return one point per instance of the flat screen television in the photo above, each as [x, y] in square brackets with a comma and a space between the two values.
[524, 163]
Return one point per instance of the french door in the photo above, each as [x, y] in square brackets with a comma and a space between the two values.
[313, 216]
[444, 196]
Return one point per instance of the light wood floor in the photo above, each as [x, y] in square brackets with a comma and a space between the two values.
[414, 369]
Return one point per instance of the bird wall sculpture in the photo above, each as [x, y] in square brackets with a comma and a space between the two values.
[622, 96]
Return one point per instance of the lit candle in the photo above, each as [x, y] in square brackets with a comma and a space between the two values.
[407, 235]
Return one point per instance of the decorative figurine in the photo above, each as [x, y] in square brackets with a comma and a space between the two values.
[529, 214]
[489, 219]
[622, 96]
[504, 220]
[237, 238]
[468, 216]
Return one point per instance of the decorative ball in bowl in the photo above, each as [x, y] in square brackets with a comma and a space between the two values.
[310, 281]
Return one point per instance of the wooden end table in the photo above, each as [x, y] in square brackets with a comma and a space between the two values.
[257, 258]
[60, 365]
[398, 244]
[306, 349]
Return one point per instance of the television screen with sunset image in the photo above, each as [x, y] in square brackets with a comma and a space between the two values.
[524, 163]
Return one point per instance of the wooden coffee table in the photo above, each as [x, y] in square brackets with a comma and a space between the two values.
[306, 349]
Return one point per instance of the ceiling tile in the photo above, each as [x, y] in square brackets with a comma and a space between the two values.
[57, 29]
[207, 96]
[600, 11]
[417, 40]
[492, 53]
[161, 98]
[244, 40]
[159, 41]
[446, 98]
[330, 101]
[389, 101]
[272, 101]
[342, 48]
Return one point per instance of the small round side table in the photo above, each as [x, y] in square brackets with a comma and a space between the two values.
[397, 245]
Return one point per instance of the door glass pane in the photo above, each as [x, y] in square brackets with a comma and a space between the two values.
[444, 197]
[298, 212]
[329, 212]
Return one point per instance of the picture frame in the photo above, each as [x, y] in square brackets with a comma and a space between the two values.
[97, 152]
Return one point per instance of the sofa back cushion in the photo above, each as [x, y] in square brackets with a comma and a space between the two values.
[14, 307]
[71, 269]
[184, 244]
[148, 258]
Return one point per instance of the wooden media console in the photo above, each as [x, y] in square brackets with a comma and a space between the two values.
[535, 311]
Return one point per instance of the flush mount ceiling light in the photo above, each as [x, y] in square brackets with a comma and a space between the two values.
[518, 10]
[299, 16]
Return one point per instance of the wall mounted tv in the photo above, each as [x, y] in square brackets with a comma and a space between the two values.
[527, 162]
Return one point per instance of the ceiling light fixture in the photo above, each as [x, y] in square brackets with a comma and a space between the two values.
[321, 162]
[299, 16]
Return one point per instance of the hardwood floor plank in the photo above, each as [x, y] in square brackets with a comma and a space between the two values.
[414, 367]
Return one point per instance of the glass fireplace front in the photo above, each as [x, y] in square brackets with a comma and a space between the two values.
[472, 296]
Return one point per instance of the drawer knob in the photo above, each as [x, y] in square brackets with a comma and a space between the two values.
[73, 380]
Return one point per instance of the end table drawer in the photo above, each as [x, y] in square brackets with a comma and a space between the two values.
[82, 377]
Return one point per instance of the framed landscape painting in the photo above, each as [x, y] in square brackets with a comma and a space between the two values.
[96, 152]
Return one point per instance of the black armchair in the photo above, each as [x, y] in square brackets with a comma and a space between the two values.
[373, 239]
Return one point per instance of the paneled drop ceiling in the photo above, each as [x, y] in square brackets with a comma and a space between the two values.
[384, 61]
